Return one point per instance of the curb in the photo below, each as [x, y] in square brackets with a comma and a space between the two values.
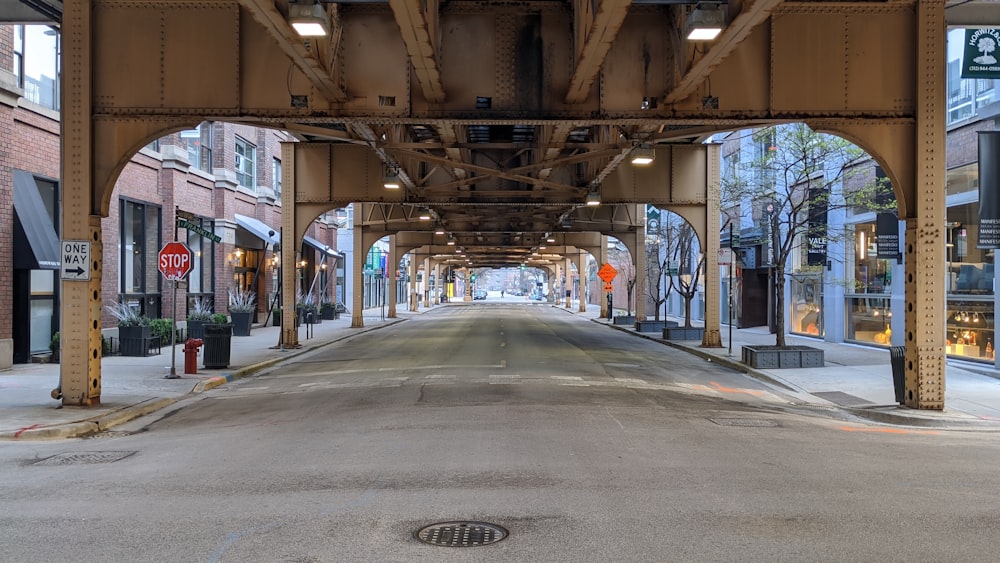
[106, 421]
[891, 414]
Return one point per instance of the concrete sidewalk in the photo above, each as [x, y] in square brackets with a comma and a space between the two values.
[856, 378]
[135, 386]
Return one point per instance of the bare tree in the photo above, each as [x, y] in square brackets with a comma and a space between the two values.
[788, 187]
[690, 262]
[658, 245]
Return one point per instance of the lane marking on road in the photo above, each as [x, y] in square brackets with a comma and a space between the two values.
[636, 366]
[890, 431]
[441, 376]
[504, 379]
[437, 367]
[567, 377]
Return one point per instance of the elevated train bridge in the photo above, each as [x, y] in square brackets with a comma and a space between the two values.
[500, 119]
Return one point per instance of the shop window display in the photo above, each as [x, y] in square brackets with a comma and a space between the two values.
[806, 304]
[869, 310]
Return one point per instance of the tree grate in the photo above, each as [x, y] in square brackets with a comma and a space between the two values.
[74, 458]
[461, 534]
[745, 422]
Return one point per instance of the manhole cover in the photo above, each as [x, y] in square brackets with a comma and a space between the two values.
[745, 422]
[71, 458]
[461, 534]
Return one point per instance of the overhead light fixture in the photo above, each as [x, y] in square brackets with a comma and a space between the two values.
[425, 217]
[642, 154]
[439, 231]
[308, 20]
[391, 181]
[704, 23]
[594, 198]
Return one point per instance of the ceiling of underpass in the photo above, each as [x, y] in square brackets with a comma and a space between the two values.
[498, 166]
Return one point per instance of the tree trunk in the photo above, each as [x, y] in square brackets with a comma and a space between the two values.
[687, 310]
[779, 305]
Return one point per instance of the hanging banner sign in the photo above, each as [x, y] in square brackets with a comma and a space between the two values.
[887, 236]
[989, 190]
[980, 60]
[816, 238]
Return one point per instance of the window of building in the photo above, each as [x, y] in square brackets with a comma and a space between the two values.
[869, 313]
[246, 170]
[138, 276]
[199, 146]
[36, 63]
[276, 176]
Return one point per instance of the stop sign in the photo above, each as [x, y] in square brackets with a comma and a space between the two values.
[175, 261]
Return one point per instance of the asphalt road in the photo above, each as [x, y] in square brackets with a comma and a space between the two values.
[585, 444]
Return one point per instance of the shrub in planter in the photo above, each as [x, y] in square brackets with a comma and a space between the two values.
[201, 313]
[133, 329]
[242, 304]
[54, 346]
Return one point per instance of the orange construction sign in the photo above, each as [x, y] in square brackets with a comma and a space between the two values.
[607, 272]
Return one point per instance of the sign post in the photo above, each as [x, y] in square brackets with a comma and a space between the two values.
[174, 262]
[608, 273]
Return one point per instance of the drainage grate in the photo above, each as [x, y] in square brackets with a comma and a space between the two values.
[461, 534]
[72, 458]
[745, 422]
[842, 399]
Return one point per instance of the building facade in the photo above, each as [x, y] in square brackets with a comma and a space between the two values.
[216, 188]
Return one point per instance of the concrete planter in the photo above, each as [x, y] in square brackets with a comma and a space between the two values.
[134, 340]
[623, 320]
[778, 357]
[653, 326]
[681, 333]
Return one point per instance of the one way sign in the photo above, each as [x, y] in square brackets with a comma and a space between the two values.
[75, 260]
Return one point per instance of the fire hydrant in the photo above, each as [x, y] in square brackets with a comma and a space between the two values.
[191, 354]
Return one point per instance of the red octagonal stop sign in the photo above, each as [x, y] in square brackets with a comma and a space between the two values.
[175, 261]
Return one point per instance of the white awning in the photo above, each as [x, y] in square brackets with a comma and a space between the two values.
[258, 229]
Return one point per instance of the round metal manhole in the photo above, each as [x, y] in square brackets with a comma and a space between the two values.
[461, 534]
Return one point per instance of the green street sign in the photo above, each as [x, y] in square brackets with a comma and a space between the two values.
[196, 228]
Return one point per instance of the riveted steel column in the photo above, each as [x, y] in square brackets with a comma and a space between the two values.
[639, 259]
[358, 275]
[567, 282]
[438, 286]
[289, 250]
[413, 281]
[581, 261]
[924, 284]
[80, 311]
[602, 259]
[712, 337]
[391, 264]
[427, 282]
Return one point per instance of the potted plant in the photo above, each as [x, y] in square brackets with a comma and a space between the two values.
[276, 316]
[242, 304]
[134, 332]
[54, 347]
[326, 310]
[198, 317]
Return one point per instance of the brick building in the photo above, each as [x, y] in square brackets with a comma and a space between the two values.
[216, 188]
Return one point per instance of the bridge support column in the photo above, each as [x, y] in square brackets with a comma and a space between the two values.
[712, 338]
[581, 261]
[391, 265]
[602, 259]
[80, 311]
[427, 283]
[413, 282]
[438, 286]
[639, 260]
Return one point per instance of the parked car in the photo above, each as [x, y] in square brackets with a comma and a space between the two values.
[479, 294]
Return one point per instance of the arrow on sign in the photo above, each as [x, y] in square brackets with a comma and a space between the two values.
[78, 271]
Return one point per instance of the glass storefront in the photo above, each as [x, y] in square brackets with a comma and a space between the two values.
[868, 307]
[969, 281]
[806, 304]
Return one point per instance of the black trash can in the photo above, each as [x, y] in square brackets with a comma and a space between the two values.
[218, 340]
[897, 356]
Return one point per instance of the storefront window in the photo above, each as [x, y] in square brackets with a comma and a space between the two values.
[139, 276]
[970, 331]
[868, 307]
[806, 304]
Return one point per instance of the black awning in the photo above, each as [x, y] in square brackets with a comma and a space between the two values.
[325, 249]
[36, 245]
[258, 229]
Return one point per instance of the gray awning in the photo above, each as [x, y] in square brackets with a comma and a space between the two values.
[325, 249]
[36, 245]
[258, 229]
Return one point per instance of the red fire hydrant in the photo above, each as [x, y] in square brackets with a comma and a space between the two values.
[191, 354]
